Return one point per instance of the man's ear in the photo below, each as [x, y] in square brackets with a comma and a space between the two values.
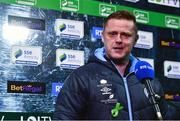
[102, 37]
[137, 37]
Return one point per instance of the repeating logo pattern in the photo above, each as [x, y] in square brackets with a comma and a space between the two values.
[70, 5]
[141, 16]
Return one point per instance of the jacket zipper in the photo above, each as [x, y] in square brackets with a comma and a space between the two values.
[127, 93]
[128, 99]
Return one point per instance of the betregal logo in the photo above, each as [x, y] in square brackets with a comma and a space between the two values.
[26, 87]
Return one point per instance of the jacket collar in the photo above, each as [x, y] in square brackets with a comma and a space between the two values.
[100, 54]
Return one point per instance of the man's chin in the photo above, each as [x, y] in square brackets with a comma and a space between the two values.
[118, 58]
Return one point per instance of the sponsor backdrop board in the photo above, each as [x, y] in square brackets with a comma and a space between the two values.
[43, 41]
[103, 9]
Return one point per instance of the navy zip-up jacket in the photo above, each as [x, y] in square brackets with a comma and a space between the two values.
[98, 91]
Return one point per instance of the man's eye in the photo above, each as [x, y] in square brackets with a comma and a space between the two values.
[126, 35]
[113, 33]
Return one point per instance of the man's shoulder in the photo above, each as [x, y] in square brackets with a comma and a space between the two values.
[88, 68]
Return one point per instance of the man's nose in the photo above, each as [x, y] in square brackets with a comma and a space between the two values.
[118, 38]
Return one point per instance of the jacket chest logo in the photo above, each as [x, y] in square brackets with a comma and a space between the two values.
[105, 91]
[105, 88]
[104, 83]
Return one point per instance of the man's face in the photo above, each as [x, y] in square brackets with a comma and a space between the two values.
[119, 38]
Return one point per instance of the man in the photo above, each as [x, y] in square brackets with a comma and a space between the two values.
[106, 88]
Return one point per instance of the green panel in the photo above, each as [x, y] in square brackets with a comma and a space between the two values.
[89, 7]
[101, 9]
[49, 4]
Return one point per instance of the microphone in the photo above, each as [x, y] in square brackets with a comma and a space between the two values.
[145, 73]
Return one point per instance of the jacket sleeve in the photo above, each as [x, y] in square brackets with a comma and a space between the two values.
[71, 100]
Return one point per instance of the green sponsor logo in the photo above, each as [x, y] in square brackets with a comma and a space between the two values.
[105, 10]
[18, 53]
[62, 57]
[141, 16]
[27, 2]
[70, 5]
[172, 22]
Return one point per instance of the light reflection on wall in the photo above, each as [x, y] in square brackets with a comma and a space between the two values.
[15, 34]
[11, 105]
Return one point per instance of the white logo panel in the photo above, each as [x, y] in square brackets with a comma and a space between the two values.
[26, 55]
[145, 40]
[172, 69]
[69, 28]
[69, 59]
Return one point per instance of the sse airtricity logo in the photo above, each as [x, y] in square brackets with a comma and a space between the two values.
[62, 57]
[169, 68]
[64, 3]
[62, 27]
[18, 53]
